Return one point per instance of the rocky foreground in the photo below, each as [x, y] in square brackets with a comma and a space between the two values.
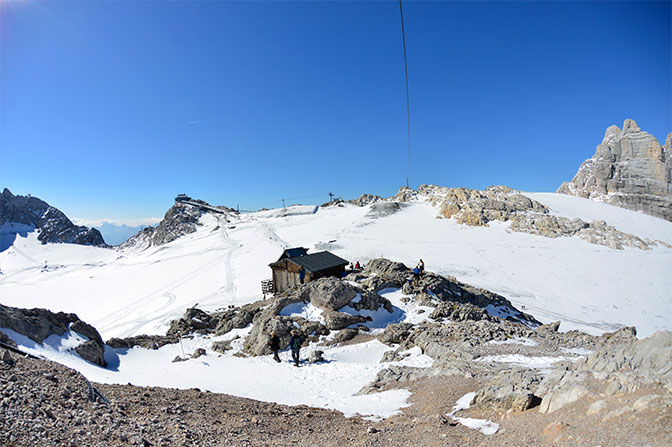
[47, 404]
[612, 389]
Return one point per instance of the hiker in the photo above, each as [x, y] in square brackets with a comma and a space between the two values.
[274, 343]
[421, 266]
[302, 274]
[416, 273]
[357, 266]
[295, 344]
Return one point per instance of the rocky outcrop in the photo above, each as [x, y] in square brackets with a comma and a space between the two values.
[365, 199]
[334, 296]
[630, 169]
[615, 368]
[432, 289]
[501, 203]
[596, 232]
[144, 341]
[198, 321]
[27, 213]
[477, 208]
[38, 324]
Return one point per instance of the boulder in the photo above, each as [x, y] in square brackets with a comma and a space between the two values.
[392, 272]
[344, 335]
[511, 389]
[340, 320]
[396, 333]
[38, 324]
[329, 293]
[316, 356]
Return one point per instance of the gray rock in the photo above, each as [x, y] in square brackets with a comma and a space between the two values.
[511, 389]
[396, 333]
[316, 356]
[221, 346]
[144, 341]
[629, 169]
[7, 357]
[596, 407]
[459, 312]
[550, 328]
[365, 199]
[560, 397]
[329, 293]
[38, 324]
[393, 272]
[4, 338]
[92, 352]
[344, 335]
[621, 368]
[340, 320]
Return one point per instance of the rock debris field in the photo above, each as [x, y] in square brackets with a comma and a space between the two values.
[44, 403]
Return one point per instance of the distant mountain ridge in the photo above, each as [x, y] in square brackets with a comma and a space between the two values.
[115, 234]
[630, 169]
[21, 214]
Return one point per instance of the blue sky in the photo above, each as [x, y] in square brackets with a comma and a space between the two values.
[108, 109]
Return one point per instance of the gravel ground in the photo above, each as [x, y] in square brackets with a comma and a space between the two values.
[44, 403]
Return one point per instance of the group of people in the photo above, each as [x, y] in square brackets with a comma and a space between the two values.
[356, 266]
[295, 341]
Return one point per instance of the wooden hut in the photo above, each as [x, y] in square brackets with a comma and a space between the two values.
[317, 265]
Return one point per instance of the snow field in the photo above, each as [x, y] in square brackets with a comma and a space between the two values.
[124, 293]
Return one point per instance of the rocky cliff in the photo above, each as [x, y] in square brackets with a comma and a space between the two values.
[630, 169]
[181, 219]
[26, 213]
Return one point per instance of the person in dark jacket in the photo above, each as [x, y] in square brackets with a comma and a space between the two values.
[302, 274]
[274, 343]
[295, 343]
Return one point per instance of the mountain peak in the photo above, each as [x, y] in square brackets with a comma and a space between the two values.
[630, 169]
[53, 224]
[630, 126]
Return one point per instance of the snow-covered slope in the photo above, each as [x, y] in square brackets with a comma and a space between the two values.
[129, 292]
[586, 286]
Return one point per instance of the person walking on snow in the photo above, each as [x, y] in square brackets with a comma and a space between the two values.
[295, 343]
[274, 343]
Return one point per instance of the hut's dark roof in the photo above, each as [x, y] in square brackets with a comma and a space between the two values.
[293, 252]
[318, 261]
